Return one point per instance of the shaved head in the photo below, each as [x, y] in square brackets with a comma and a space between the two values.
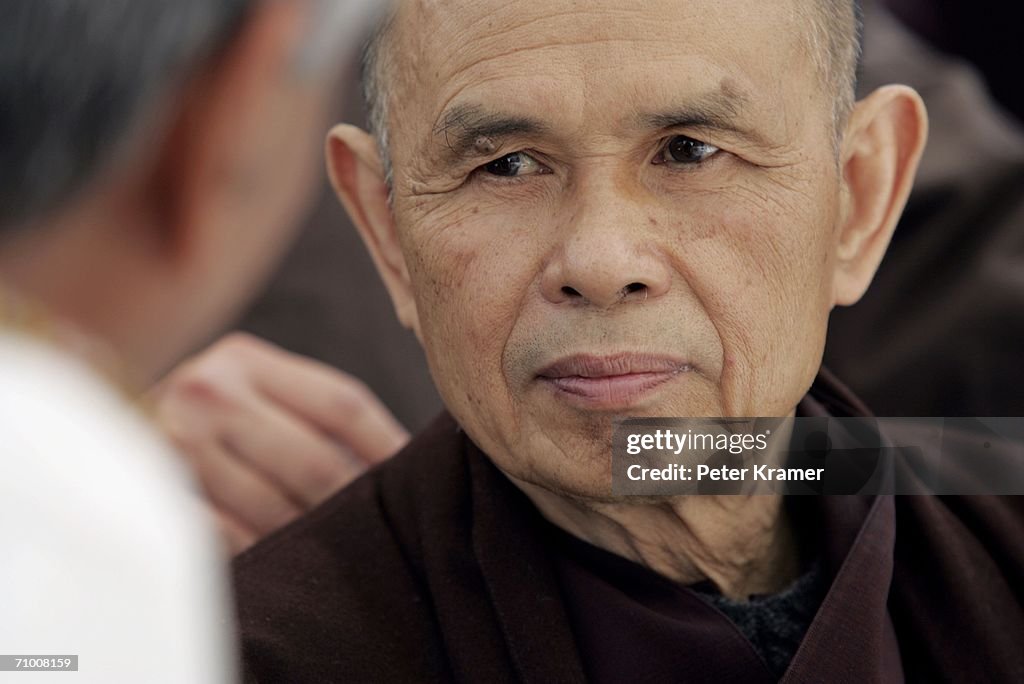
[832, 36]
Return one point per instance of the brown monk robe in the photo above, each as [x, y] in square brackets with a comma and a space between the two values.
[435, 567]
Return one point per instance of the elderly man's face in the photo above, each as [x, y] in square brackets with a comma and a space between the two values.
[612, 209]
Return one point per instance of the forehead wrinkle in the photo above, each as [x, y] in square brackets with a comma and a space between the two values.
[608, 16]
[506, 25]
[552, 46]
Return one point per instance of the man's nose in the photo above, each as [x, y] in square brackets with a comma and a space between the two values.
[604, 259]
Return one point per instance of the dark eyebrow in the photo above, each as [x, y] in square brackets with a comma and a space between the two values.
[718, 110]
[465, 128]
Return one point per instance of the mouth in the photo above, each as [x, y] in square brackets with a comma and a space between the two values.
[610, 383]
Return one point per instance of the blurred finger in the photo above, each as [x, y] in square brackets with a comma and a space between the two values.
[237, 488]
[335, 402]
[236, 536]
[296, 456]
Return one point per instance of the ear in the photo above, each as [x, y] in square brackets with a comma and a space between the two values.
[356, 171]
[238, 152]
[882, 145]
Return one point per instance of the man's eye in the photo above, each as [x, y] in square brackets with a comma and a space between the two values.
[514, 165]
[685, 150]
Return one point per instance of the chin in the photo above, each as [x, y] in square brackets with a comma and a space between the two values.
[582, 470]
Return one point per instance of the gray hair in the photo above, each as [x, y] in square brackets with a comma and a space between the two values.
[377, 63]
[76, 76]
[835, 39]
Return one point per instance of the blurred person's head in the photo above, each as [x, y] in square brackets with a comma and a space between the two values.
[155, 155]
[588, 210]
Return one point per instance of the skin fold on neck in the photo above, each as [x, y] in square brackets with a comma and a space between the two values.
[745, 545]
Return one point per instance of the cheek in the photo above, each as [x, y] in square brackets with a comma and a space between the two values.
[761, 273]
[469, 278]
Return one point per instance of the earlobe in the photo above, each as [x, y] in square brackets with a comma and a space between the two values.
[882, 145]
[356, 173]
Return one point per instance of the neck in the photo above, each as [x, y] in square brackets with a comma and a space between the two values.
[26, 316]
[96, 276]
[743, 544]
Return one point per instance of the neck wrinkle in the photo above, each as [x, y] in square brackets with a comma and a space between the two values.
[745, 545]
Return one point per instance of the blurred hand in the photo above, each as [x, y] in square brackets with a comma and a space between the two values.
[269, 433]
